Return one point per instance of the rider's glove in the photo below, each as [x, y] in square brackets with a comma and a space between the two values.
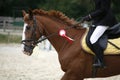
[86, 18]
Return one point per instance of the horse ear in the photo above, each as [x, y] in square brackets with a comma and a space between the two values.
[23, 12]
[30, 14]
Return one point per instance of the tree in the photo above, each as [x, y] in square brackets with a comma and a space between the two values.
[72, 8]
[116, 8]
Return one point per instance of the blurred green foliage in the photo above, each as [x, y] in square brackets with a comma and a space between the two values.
[72, 8]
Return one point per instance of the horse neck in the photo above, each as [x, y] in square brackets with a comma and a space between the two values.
[53, 27]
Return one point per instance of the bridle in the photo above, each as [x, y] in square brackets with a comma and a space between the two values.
[33, 39]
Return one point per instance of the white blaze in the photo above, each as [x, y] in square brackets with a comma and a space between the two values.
[23, 34]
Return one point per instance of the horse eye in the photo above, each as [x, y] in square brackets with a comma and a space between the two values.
[27, 27]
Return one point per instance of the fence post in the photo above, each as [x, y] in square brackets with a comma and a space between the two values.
[4, 25]
[8, 37]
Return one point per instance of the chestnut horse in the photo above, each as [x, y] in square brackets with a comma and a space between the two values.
[74, 61]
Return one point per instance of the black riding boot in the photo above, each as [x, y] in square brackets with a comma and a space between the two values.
[99, 62]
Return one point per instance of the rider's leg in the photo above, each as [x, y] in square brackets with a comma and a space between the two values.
[98, 32]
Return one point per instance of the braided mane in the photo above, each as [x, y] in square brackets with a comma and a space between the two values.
[56, 14]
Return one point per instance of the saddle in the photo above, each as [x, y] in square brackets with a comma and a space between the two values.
[113, 45]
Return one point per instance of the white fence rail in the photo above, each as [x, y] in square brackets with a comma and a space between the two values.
[10, 23]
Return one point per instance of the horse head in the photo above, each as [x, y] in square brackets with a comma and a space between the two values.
[31, 32]
[39, 23]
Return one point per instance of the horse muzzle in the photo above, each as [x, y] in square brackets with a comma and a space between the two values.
[28, 50]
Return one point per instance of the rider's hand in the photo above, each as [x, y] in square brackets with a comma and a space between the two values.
[86, 18]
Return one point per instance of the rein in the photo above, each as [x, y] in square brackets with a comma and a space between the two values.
[40, 40]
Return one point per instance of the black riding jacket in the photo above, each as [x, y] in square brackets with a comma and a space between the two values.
[103, 15]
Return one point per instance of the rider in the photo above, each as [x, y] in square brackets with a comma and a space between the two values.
[102, 18]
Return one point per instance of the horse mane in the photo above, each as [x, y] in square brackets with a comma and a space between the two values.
[56, 14]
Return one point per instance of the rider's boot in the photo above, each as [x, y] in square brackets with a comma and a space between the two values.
[99, 56]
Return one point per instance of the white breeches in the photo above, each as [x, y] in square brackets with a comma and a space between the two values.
[98, 32]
